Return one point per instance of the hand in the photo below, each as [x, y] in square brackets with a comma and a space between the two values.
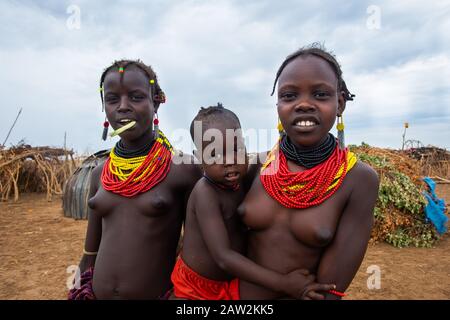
[312, 290]
[295, 283]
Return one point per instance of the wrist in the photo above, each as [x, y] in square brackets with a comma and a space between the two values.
[280, 284]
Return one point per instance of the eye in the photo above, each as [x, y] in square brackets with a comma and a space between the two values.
[111, 98]
[287, 96]
[321, 95]
[136, 97]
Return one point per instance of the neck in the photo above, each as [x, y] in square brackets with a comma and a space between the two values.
[140, 142]
[309, 148]
[311, 156]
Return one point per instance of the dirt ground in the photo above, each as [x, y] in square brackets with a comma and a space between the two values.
[38, 245]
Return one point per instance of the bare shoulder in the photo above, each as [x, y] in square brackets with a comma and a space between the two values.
[96, 174]
[365, 175]
[255, 161]
[185, 169]
[364, 191]
[203, 190]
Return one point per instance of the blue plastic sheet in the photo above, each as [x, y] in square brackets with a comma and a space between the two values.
[435, 209]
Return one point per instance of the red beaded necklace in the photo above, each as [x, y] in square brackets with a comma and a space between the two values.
[303, 189]
[149, 173]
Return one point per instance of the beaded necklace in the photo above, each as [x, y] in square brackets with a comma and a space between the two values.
[308, 157]
[131, 176]
[121, 151]
[308, 188]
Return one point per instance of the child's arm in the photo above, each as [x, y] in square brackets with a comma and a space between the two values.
[215, 235]
[94, 228]
[341, 260]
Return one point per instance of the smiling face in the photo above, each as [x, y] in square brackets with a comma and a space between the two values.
[308, 100]
[127, 98]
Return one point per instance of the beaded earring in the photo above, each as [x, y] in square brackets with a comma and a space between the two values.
[340, 130]
[105, 129]
[280, 127]
[156, 125]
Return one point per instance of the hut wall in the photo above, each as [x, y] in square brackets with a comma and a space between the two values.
[76, 190]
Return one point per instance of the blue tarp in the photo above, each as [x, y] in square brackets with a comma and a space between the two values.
[435, 208]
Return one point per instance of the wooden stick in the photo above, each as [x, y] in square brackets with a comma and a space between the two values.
[441, 180]
[9, 132]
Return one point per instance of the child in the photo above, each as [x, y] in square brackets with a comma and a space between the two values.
[136, 211]
[212, 260]
[312, 204]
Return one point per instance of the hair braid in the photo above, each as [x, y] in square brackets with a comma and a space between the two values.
[318, 50]
[157, 94]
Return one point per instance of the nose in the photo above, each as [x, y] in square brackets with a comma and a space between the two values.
[123, 104]
[305, 106]
[230, 159]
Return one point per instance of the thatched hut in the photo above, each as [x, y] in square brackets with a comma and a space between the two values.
[76, 190]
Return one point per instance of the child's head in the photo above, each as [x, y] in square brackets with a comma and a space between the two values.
[130, 91]
[221, 149]
[311, 93]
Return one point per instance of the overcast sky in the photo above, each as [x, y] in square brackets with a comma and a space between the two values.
[395, 56]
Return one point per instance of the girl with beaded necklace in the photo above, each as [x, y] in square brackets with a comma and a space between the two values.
[311, 203]
[137, 196]
[212, 261]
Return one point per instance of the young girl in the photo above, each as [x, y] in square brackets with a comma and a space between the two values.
[212, 260]
[311, 205]
[137, 197]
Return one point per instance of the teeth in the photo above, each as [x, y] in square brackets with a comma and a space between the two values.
[125, 120]
[305, 123]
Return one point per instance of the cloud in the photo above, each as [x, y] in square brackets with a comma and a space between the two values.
[227, 51]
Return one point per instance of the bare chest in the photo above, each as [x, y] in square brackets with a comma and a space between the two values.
[314, 226]
[155, 202]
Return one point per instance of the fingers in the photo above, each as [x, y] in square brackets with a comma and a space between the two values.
[325, 287]
[312, 291]
[304, 272]
[315, 296]
[310, 278]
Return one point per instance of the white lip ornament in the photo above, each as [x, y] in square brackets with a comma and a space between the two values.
[122, 129]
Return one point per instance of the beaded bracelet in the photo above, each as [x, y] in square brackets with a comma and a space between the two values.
[337, 293]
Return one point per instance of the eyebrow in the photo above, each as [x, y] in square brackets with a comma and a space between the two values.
[314, 85]
[140, 90]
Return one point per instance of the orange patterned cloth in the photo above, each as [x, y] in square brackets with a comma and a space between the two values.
[188, 284]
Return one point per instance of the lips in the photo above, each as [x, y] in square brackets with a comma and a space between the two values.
[232, 176]
[305, 123]
[124, 121]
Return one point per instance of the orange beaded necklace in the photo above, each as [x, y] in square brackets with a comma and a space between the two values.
[308, 188]
[131, 176]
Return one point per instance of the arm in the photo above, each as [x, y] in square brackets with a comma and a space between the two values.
[342, 259]
[194, 173]
[215, 235]
[192, 176]
[94, 228]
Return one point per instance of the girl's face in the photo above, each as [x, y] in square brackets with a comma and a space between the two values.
[308, 101]
[127, 97]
